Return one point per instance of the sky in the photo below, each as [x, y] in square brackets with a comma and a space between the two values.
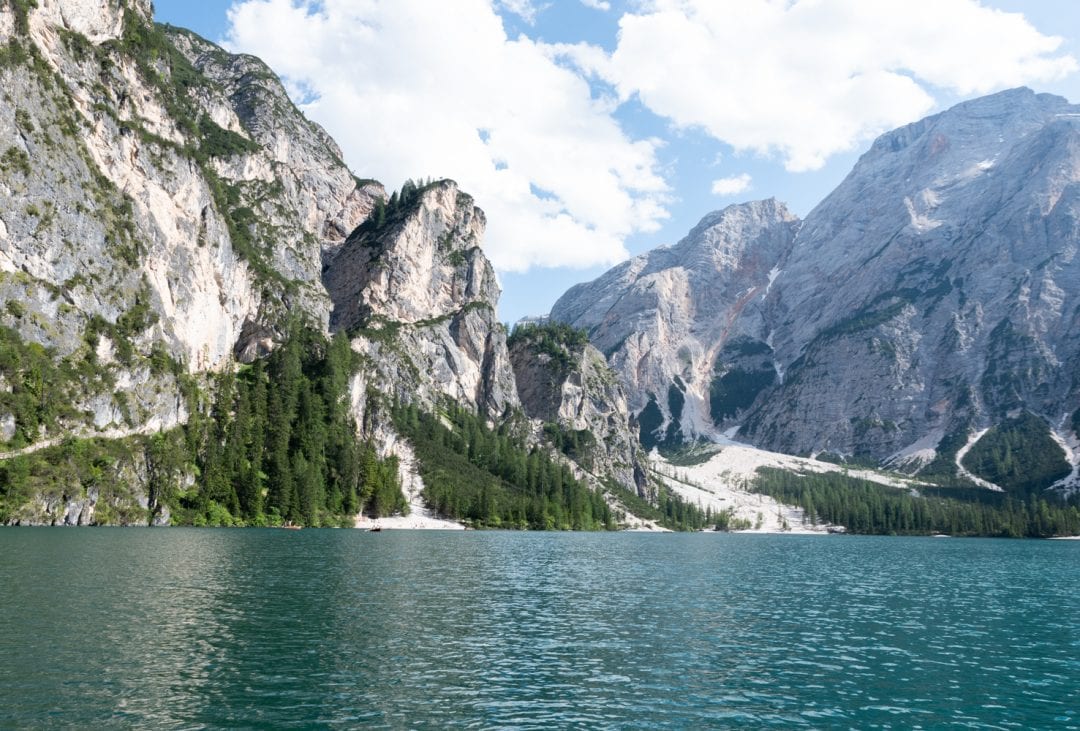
[594, 130]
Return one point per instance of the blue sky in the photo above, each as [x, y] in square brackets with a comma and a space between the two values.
[593, 130]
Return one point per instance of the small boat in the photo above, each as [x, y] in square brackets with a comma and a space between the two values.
[290, 526]
[375, 529]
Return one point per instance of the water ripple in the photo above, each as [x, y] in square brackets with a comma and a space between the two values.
[224, 629]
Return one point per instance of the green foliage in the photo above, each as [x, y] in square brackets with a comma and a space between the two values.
[577, 444]
[42, 387]
[13, 54]
[691, 455]
[396, 208]
[15, 160]
[16, 309]
[492, 479]
[668, 509]
[866, 507]
[23, 120]
[278, 442]
[274, 442]
[736, 390]
[216, 141]
[241, 222]
[726, 520]
[78, 44]
[556, 340]
[1014, 369]
[942, 469]
[21, 9]
[74, 469]
[1019, 455]
[133, 322]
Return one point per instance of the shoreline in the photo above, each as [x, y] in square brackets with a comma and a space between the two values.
[401, 524]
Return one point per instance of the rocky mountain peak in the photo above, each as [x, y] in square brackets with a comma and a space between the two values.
[944, 265]
[664, 317]
[418, 258]
[728, 226]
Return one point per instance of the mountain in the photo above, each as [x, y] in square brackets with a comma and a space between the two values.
[566, 384]
[206, 318]
[943, 272]
[662, 318]
[932, 299]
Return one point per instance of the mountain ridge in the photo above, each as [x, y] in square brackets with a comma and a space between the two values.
[931, 295]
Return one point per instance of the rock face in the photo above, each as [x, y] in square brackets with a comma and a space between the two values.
[569, 387]
[935, 292]
[156, 195]
[418, 296]
[937, 289]
[663, 317]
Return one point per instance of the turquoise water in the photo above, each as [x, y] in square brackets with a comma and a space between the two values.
[189, 628]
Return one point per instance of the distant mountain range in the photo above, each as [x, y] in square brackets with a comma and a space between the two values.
[933, 296]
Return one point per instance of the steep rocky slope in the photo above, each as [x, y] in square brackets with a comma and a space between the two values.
[936, 290]
[565, 383]
[417, 296]
[146, 205]
[664, 317]
[933, 295]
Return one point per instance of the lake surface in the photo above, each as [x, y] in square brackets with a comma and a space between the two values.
[182, 628]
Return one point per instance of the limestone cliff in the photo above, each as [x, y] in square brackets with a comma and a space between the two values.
[133, 180]
[417, 295]
[566, 384]
[933, 295]
[664, 317]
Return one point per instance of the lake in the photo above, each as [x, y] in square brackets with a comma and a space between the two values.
[182, 628]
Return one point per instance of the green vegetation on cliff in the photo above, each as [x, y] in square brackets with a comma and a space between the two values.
[1019, 455]
[279, 443]
[556, 340]
[273, 442]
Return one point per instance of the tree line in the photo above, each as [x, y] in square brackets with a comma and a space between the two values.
[277, 443]
[491, 478]
[867, 507]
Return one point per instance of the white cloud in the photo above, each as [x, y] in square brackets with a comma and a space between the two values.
[809, 78]
[597, 4]
[732, 185]
[411, 88]
[524, 9]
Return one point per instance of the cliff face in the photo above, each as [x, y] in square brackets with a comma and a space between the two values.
[934, 294]
[133, 180]
[936, 290]
[664, 317]
[165, 211]
[567, 385]
[417, 295]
